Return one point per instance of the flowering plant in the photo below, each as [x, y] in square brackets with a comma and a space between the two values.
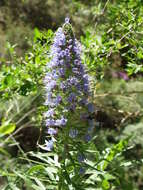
[66, 86]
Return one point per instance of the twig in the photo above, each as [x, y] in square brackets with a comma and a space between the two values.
[105, 6]
[25, 115]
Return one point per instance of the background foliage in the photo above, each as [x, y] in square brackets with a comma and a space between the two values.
[112, 49]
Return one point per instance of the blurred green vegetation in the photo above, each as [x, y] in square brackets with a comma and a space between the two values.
[111, 33]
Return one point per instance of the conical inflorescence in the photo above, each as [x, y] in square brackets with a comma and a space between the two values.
[66, 82]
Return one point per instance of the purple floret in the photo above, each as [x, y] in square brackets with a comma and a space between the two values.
[73, 133]
[52, 131]
[61, 122]
[49, 145]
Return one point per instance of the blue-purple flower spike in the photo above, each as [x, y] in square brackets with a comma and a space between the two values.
[66, 82]
[67, 20]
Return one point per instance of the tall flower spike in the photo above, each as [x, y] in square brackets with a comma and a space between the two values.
[66, 82]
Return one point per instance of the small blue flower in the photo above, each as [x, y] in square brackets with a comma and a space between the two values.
[73, 81]
[70, 41]
[61, 62]
[50, 122]
[63, 86]
[61, 122]
[67, 20]
[73, 133]
[72, 107]
[87, 138]
[81, 170]
[91, 108]
[49, 145]
[52, 131]
[81, 158]
[50, 113]
[52, 85]
[57, 100]
[72, 97]
[61, 72]
[83, 102]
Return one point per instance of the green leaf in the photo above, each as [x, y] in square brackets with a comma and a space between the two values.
[105, 184]
[39, 183]
[37, 34]
[35, 169]
[3, 151]
[13, 186]
[7, 129]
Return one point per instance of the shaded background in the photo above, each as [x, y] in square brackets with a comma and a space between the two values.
[18, 18]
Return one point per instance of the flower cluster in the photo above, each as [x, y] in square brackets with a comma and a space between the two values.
[66, 82]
